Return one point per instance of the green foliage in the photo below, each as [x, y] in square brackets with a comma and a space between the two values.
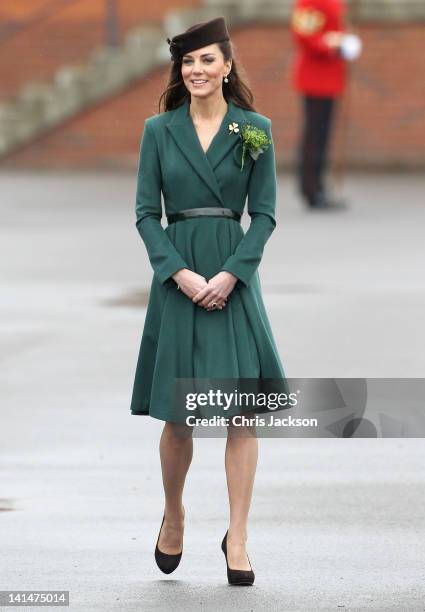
[255, 140]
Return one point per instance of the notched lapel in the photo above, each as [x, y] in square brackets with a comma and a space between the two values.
[225, 141]
[184, 134]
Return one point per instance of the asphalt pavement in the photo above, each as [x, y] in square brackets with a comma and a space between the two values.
[335, 523]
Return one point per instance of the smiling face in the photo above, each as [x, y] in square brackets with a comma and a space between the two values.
[203, 70]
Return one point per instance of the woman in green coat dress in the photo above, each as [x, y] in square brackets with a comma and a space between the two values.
[205, 317]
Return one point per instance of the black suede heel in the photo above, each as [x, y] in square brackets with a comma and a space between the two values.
[166, 563]
[235, 576]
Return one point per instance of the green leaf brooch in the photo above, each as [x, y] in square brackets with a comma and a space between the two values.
[254, 140]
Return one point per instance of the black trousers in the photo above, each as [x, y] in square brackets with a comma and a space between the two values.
[313, 147]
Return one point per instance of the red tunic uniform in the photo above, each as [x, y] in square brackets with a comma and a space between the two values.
[318, 70]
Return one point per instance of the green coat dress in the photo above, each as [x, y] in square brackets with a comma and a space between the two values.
[181, 339]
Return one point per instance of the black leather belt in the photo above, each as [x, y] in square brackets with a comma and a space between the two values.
[208, 211]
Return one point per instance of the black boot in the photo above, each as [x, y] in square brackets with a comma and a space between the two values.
[324, 201]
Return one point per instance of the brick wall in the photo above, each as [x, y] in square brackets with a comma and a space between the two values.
[67, 36]
[380, 122]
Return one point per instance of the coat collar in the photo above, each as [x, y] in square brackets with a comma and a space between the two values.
[184, 133]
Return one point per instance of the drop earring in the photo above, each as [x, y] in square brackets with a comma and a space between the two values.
[226, 80]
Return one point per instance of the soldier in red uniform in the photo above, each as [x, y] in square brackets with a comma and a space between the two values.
[319, 75]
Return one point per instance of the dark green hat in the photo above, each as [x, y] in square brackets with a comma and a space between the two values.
[198, 36]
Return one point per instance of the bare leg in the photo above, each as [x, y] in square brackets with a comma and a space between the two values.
[176, 450]
[241, 462]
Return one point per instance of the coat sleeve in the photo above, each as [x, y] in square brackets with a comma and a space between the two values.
[163, 256]
[261, 208]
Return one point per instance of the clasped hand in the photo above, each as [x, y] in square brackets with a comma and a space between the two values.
[206, 293]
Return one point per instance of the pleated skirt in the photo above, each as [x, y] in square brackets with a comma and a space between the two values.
[181, 340]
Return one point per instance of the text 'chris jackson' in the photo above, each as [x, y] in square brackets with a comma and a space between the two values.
[243, 421]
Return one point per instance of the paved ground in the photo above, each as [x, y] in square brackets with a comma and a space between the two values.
[335, 524]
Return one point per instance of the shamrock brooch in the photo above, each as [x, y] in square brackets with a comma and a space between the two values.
[254, 140]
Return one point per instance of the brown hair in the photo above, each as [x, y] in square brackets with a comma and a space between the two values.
[235, 90]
